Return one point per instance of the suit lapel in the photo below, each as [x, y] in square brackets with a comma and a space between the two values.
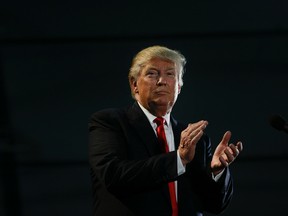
[177, 129]
[143, 128]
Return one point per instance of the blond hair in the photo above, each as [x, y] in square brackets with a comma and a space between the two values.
[162, 52]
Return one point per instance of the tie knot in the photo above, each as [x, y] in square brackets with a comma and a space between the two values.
[159, 121]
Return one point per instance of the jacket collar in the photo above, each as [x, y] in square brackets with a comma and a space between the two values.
[140, 122]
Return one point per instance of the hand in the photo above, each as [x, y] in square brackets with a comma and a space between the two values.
[189, 138]
[225, 154]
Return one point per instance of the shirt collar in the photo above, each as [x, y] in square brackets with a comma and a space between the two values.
[152, 117]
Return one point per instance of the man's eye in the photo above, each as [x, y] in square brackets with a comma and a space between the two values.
[152, 73]
[171, 74]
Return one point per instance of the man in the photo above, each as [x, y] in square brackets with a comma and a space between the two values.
[144, 162]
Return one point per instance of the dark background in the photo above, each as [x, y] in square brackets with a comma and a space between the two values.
[60, 61]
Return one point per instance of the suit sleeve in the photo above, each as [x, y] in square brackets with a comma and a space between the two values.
[214, 196]
[111, 165]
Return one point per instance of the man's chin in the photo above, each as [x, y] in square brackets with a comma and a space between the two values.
[163, 103]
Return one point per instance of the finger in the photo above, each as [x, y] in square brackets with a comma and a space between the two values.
[185, 142]
[229, 155]
[234, 149]
[223, 161]
[196, 126]
[192, 125]
[195, 132]
[226, 138]
[239, 146]
[197, 137]
[192, 142]
[191, 132]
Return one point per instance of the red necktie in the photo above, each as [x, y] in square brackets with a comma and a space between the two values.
[164, 145]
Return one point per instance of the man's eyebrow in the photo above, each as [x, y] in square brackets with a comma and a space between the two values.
[155, 68]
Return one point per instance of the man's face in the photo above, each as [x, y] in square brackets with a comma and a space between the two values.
[157, 86]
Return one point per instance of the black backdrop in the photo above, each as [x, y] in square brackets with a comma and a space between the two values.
[61, 61]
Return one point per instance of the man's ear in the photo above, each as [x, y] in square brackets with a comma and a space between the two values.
[179, 89]
[133, 85]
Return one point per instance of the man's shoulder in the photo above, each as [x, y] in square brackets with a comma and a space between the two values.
[115, 117]
[107, 118]
[109, 113]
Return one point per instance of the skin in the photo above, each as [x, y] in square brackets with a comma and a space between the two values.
[157, 88]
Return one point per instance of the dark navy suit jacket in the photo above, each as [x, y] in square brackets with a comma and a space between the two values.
[130, 174]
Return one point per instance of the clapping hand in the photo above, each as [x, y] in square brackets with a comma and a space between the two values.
[225, 153]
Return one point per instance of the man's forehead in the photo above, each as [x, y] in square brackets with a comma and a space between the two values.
[156, 62]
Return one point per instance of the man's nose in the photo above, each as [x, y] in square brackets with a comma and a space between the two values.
[161, 80]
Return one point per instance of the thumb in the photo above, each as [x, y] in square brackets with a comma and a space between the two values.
[226, 138]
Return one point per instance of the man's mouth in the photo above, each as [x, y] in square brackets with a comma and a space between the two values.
[161, 92]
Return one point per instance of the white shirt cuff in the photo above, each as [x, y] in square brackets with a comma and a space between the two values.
[217, 177]
[180, 167]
